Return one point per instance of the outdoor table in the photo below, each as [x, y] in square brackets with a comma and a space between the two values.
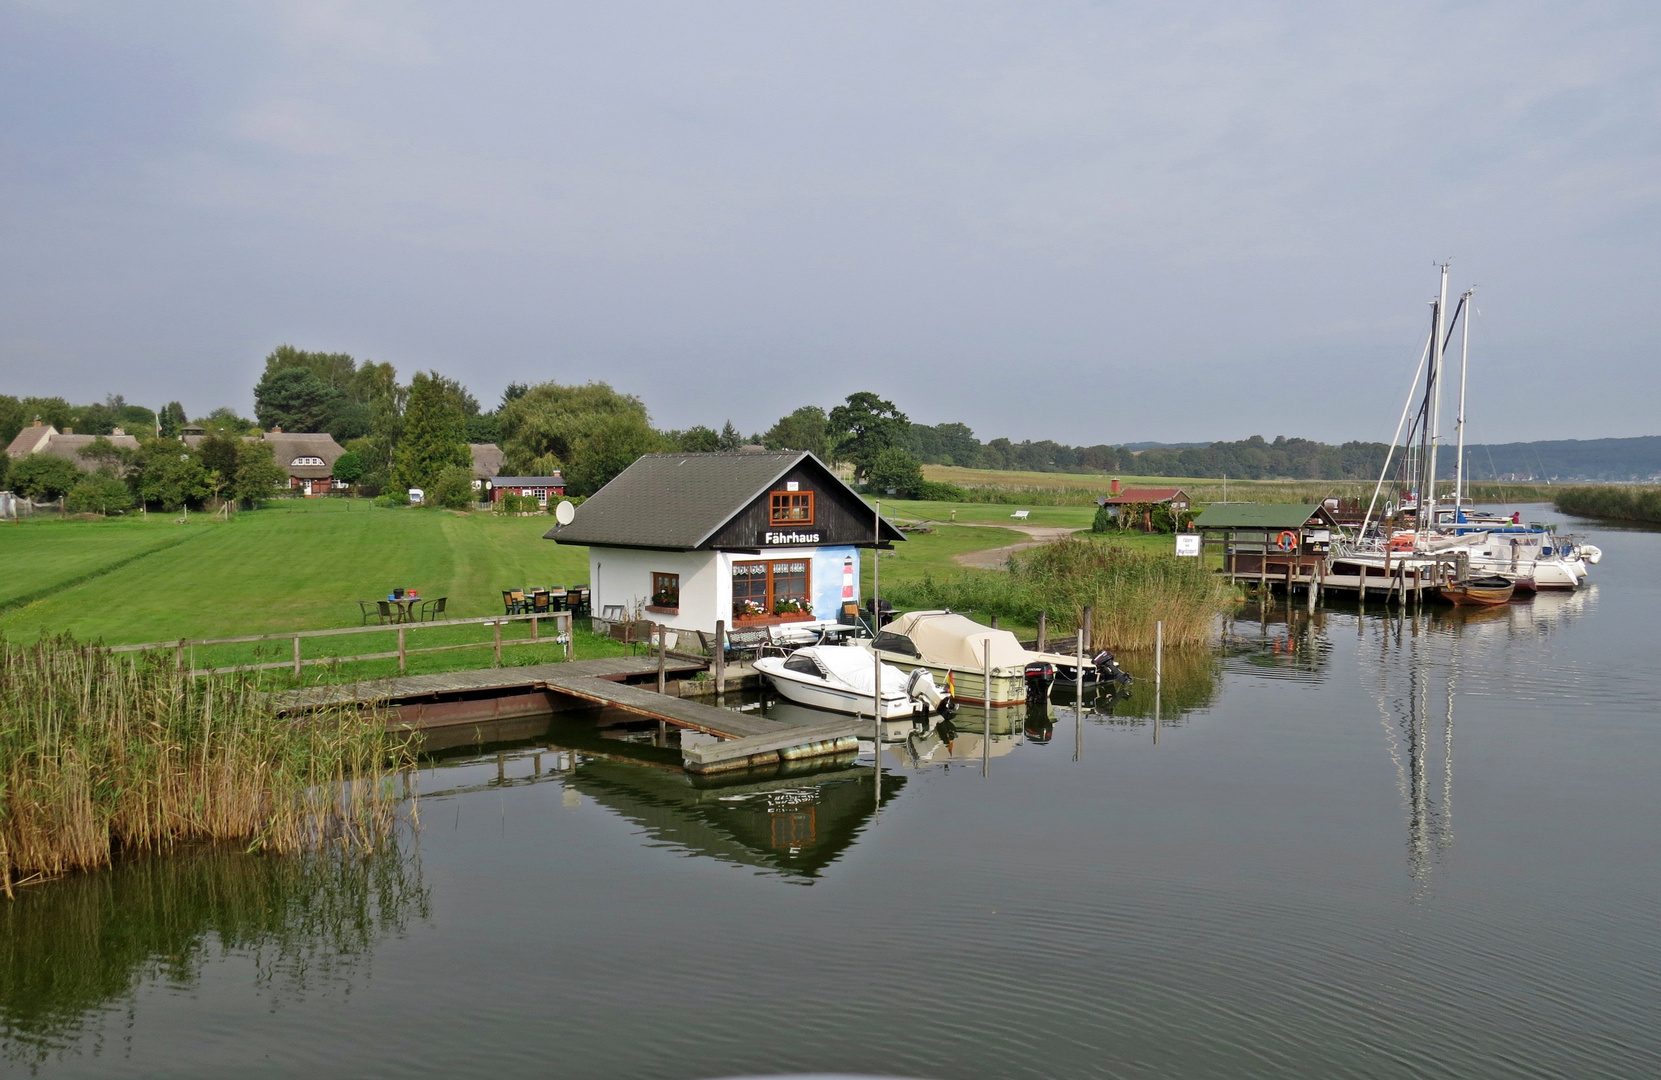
[405, 606]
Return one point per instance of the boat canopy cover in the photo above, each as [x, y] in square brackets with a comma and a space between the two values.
[955, 641]
[851, 665]
[1447, 543]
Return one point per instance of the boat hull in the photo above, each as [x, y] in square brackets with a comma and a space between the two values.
[831, 699]
[1473, 595]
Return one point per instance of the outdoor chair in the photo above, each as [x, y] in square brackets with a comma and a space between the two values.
[432, 609]
[614, 613]
[541, 603]
[514, 601]
[384, 607]
[367, 609]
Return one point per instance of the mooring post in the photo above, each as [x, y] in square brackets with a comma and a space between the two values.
[1043, 630]
[661, 687]
[986, 739]
[496, 627]
[1158, 673]
[400, 649]
[720, 658]
[296, 656]
[570, 634]
[994, 622]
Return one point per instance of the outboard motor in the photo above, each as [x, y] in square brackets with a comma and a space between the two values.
[920, 687]
[1108, 669]
[1039, 676]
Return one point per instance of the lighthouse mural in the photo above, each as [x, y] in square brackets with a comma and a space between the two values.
[848, 580]
[833, 567]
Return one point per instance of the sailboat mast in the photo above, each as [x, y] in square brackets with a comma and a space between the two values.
[1464, 360]
[1433, 427]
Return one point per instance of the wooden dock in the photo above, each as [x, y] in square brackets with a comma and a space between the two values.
[425, 702]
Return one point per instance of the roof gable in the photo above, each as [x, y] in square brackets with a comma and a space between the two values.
[1144, 495]
[681, 501]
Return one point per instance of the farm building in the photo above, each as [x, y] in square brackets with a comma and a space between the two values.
[541, 488]
[748, 538]
[46, 439]
[487, 461]
[1142, 500]
[307, 458]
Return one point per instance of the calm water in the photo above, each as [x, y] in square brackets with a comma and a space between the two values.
[1362, 846]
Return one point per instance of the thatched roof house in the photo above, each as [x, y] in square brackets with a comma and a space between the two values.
[46, 439]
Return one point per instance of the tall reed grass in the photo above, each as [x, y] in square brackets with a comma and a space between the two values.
[1128, 592]
[103, 754]
[1620, 503]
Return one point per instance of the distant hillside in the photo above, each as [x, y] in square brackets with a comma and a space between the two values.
[1567, 459]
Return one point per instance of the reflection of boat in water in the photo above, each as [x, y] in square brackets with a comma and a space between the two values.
[945, 745]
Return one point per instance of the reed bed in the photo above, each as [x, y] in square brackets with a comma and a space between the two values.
[102, 755]
[1128, 592]
[1619, 503]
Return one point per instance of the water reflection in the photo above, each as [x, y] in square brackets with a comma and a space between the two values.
[75, 950]
[793, 819]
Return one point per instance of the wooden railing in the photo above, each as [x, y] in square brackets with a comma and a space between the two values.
[562, 636]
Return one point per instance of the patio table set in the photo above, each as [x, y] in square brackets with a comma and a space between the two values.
[403, 606]
[543, 601]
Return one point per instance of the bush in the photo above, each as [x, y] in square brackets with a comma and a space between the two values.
[1105, 520]
[43, 476]
[935, 491]
[896, 470]
[392, 499]
[98, 493]
[513, 503]
[348, 468]
[453, 489]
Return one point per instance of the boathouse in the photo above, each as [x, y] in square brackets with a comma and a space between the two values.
[750, 539]
[1268, 539]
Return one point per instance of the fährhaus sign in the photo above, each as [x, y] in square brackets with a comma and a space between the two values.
[792, 538]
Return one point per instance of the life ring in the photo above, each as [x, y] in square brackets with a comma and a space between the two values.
[1403, 541]
[1287, 540]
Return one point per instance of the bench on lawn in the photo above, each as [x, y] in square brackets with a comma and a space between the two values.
[1020, 515]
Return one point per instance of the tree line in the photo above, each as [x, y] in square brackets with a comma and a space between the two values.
[400, 435]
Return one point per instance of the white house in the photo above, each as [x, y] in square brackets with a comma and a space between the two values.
[749, 539]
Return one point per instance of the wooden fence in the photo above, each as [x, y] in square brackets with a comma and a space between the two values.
[561, 619]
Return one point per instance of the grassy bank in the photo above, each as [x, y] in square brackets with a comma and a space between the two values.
[1127, 590]
[1619, 503]
[101, 755]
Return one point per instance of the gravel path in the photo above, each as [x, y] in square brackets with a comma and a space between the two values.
[998, 558]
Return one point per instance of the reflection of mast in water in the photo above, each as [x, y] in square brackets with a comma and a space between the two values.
[1429, 821]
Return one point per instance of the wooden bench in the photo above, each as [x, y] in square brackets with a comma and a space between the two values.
[741, 644]
[1020, 515]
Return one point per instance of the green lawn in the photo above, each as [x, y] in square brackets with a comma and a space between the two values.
[296, 565]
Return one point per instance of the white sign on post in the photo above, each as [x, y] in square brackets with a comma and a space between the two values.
[1188, 544]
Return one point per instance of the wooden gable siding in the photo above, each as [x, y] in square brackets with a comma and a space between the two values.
[838, 516]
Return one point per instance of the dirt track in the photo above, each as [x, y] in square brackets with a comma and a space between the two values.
[998, 558]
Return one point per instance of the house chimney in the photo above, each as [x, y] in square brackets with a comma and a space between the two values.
[69, 431]
[1115, 487]
[117, 431]
[278, 430]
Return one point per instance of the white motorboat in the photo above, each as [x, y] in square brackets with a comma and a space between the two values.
[842, 678]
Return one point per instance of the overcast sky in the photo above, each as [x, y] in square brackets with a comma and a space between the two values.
[1087, 222]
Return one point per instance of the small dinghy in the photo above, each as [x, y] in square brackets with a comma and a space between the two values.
[842, 678]
[1482, 591]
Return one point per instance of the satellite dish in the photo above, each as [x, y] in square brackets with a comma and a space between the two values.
[565, 512]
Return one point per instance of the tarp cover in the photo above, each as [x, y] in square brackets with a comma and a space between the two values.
[956, 641]
[853, 666]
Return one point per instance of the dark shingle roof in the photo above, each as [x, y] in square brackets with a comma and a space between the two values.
[555, 480]
[1260, 515]
[678, 501]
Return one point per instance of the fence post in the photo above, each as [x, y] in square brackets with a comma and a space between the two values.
[1043, 631]
[296, 656]
[179, 654]
[661, 687]
[720, 656]
[534, 620]
[570, 635]
[400, 650]
[497, 627]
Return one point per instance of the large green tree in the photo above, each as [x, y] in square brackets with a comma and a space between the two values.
[863, 427]
[808, 428]
[171, 420]
[611, 446]
[550, 425]
[295, 399]
[435, 431]
[896, 471]
[42, 476]
[257, 475]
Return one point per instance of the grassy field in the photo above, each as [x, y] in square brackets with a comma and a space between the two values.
[1081, 488]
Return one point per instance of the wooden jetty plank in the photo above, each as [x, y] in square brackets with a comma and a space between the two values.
[794, 742]
[681, 712]
[533, 676]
